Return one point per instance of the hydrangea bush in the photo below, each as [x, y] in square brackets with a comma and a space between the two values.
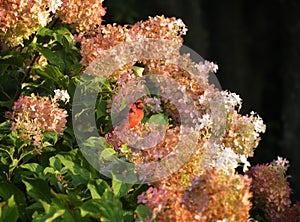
[46, 48]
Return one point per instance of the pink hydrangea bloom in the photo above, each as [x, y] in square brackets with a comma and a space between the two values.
[33, 115]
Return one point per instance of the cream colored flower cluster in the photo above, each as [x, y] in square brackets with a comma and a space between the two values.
[33, 115]
[271, 191]
[208, 198]
[84, 14]
[226, 138]
[20, 18]
[174, 198]
[105, 37]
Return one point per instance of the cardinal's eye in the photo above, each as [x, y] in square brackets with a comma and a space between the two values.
[139, 105]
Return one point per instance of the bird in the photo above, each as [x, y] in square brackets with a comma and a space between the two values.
[129, 117]
[136, 113]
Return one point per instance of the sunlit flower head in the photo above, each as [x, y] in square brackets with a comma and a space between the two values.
[231, 100]
[33, 115]
[54, 5]
[227, 160]
[20, 19]
[271, 190]
[210, 197]
[108, 36]
[258, 123]
[85, 15]
[61, 95]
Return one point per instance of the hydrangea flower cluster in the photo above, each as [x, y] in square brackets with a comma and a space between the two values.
[153, 104]
[95, 41]
[33, 115]
[21, 18]
[206, 186]
[208, 198]
[242, 133]
[83, 14]
[271, 191]
[61, 95]
[225, 138]
[54, 5]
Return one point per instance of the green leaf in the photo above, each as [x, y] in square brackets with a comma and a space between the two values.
[68, 139]
[43, 31]
[159, 119]
[73, 167]
[14, 59]
[98, 143]
[7, 104]
[120, 188]
[101, 109]
[62, 203]
[125, 149]
[52, 56]
[107, 208]
[111, 210]
[16, 140]
[66, 38]
[91, 208]
[97, 188]
[53, 73]
[138, 71]
[128, 216]
[50, 217]
[35, 168]
[51, 135]
[142, 212]
[55, 163]
[7, 190]
[8, 210]
[35, 206]
[5, 127]
[123, 104]
[30, 85]
[66, 202]
[119, 171]
[108, 154]
[8, 150]
[38, 189]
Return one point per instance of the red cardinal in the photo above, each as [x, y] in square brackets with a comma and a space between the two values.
[136, 113]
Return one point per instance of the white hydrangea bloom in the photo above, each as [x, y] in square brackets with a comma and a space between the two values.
[202, 98]
[282, 162]
[227, 160]
[54, 4]
[62, 95]
[258, 123]
[206, 67]
[246, 163]
[205, 121]
[179, 24]
[232, 100]
[224, 220]
[43, 18]
[224, 159]
[197, 217]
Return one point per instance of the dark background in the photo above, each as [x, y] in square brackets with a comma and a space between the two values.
[257, 47]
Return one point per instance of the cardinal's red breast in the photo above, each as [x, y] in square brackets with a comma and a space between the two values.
[136, 113]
